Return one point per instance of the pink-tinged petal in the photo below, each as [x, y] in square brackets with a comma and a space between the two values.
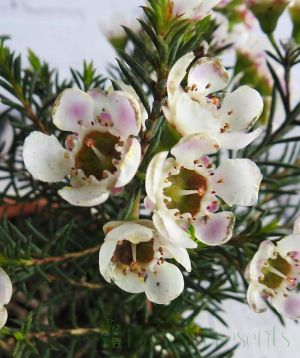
[177, 74]
[129, 281]
[289, 246]
[288, 306]
[170, 231]
[194, 9]
[241, 109]
[193, 147]
[130, 163]
[105, 255]
[164, 284]
[5, 288]
[126, 114]
[3, 316]
[215, 229]
[118, 110]
[72, 110]
[255, 299]
[85, 196]
[154, 175]
[237, 181]
[264, 253]
[149, 205]
[207, 76]
[45, 158]
[297, 226]
[237, 140]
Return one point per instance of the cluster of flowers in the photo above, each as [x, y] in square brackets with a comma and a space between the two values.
[103, 154]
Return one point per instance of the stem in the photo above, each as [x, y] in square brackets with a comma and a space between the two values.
[55, 259]
[61, 333]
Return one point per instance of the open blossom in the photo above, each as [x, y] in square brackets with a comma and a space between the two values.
[133, 257]
[274, 274]
[5, 295]
[184, 189]
[194, 109]
[193, 9]
[101, 156]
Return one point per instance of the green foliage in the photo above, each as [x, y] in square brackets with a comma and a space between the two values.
[61, 306]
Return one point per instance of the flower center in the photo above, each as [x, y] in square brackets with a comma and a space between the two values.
[186, 191]
[97, 154]
[275, 272]
[127, 253]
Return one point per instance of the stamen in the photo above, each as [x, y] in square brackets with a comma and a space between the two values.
[188, 192]
[98, 153]
[133, 248]
[276, 272]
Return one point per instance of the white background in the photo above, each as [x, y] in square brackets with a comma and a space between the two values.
[66, 32]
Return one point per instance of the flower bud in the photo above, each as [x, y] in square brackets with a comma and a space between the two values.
[267, 12]
[295, 16]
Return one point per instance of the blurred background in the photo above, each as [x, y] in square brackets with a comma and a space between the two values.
[64, 33]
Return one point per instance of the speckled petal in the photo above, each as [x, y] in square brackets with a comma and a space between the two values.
[237, 181]
[207, 76]
[164, 284]
[171, 231]
[72, 110]
[177, 74]
[241, 108]
[193, 147]
[215, 229]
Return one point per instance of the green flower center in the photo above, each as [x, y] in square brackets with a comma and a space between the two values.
[124, 255]
[97, 154]
[275, 272]
[186, 191]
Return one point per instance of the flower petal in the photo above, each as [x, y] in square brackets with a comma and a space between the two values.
[5, 288]
[241, 108]
[288, 244]
[87, 195]
[187, 115]
[165, 284]
[130, 163]
[129, 281]
[215, 229]
[106, 253]
[3, 316]
[193, 147]
[237, 140]
[73, 109]
[254, 298]
[264, 253]
[178, 73]
[130, 231]
[180, 255]
[207, 76]
[119, 108]
[45, 158]
[237, 181]
[287, 306]
[297, 226]
[154, 175]
[171, 231]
